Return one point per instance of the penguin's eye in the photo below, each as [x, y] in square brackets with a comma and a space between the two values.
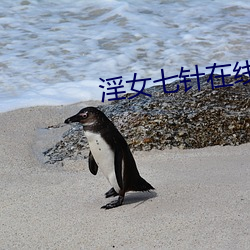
[84, 115]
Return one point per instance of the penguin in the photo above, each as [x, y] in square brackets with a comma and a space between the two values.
[110, 152]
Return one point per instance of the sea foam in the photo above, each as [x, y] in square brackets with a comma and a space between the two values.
[55, 52]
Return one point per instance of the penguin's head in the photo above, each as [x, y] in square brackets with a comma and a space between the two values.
[88, 117]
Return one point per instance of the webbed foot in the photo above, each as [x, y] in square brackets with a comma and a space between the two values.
[111, 193]
[113, 204]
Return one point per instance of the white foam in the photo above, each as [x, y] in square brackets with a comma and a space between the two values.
[54, 52]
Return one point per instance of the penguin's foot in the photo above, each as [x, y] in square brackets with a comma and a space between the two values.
[113, 204]
[111, 193]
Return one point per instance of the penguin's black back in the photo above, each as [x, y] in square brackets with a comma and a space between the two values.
[132, 180]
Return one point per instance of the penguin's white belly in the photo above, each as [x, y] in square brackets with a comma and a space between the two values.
[104, 157]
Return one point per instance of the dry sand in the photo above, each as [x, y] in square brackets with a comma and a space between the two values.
[201, 201]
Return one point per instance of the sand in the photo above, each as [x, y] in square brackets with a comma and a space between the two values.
[201, 201]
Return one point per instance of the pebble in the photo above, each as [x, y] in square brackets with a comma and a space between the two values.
[194, 119]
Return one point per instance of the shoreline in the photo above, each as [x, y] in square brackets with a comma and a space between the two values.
[201, 198]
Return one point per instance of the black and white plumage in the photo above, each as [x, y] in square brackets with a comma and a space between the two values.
[110, 152]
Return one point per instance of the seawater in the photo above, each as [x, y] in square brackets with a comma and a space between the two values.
[54, 52]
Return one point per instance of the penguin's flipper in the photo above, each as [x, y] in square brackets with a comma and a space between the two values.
[118, 166]
[111, 193]
[93, 167]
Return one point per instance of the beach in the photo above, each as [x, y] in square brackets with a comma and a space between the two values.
[58, 57]
[201, 197]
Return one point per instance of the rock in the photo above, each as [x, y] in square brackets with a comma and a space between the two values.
[193, 119]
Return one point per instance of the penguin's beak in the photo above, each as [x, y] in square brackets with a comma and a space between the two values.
[74, 118]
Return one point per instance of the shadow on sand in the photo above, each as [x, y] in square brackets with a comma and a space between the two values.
[138, 198]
